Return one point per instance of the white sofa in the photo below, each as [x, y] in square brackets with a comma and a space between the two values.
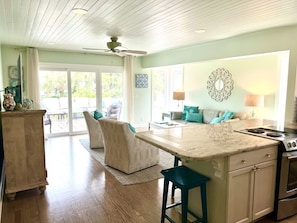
[123, 151]
[207, 116]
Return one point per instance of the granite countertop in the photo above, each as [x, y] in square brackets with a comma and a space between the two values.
[203, 142]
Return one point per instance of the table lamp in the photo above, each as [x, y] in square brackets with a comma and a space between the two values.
[254, 101]
[179, 96]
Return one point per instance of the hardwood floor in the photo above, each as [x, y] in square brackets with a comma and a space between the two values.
[80, 190]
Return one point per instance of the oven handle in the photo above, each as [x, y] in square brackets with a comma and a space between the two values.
[291, 157]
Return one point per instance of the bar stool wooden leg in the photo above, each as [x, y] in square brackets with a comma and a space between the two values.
[164, 203]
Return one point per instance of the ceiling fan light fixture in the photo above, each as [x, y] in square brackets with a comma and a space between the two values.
[80, 11]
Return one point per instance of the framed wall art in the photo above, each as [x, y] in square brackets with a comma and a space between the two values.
[14, 76]
[141, 80]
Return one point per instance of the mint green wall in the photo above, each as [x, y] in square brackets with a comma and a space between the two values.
[251, 75]
[142, 96]
[9, 56]
[271, 40]
[1, 73]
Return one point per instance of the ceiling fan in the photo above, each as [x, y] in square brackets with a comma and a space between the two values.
[117, 48]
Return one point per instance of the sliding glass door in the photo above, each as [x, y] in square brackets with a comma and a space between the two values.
[65, 94]
[112, 94]
[83, 98]
[54, 98]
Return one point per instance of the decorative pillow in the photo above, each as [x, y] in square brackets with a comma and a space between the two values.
[97, 114]
[131, 128]
[228, 115]
[194, 117]
[189, 109]
[217, 120]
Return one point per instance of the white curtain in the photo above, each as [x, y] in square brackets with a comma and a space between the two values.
[128, 105]
[33, 91]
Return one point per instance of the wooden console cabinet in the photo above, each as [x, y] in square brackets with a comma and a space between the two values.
[24, 155]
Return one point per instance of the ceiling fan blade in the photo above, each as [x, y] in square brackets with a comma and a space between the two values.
[119, 53]
[96, 49]
[134, 52]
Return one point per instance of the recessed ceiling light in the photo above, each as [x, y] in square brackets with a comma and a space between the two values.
[80, 11]
[50, 43]
[200, 31]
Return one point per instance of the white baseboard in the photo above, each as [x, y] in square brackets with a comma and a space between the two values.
[2, 183]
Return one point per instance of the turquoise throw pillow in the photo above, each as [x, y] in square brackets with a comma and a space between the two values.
[97, 114]
[194, 117]
[131, 128]
[228, 115]
[217, 120]
[189, 109]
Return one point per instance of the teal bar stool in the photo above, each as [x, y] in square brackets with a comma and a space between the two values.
[185, 179]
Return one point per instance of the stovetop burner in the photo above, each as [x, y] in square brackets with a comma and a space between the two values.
[274, 134]
[257, 131]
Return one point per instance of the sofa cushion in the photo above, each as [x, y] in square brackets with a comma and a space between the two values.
[194, 117]
[209, 115]
[241, 115]
[176, 115]
[217, 120]
[228, 115]
[189, 109]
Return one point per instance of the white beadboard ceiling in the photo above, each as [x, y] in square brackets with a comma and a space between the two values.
[150, 25]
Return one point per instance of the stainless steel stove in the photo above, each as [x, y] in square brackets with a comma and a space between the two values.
[286, 180]
[287, 136]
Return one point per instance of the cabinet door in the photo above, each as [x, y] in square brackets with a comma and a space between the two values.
[264, 189]
[240, 195]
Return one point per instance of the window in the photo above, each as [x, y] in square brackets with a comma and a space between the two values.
[165, 80]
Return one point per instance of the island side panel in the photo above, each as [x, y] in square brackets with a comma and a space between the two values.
[216, 189]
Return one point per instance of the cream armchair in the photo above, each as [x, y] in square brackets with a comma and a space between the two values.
[123, 151]
[95, 134]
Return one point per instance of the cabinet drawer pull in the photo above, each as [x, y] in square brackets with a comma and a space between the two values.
[243, 161]
[255, 168]
[268, 155]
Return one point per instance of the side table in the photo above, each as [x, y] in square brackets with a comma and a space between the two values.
[166, 115]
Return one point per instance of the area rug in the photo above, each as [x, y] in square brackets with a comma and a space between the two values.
[146, 175]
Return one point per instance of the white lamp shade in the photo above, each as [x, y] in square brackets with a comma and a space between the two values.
[179, 95]
[254, 100]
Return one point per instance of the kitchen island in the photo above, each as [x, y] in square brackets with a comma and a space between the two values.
[242, 167]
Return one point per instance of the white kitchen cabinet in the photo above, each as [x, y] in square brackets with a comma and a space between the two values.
[251, 185]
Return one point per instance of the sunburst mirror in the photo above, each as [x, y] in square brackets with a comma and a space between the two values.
[220, 84]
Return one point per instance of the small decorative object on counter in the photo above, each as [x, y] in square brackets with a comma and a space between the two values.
[18, 107]
[27, 104]
[8, 102]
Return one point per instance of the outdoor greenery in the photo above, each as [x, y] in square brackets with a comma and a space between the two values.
[54, 84]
